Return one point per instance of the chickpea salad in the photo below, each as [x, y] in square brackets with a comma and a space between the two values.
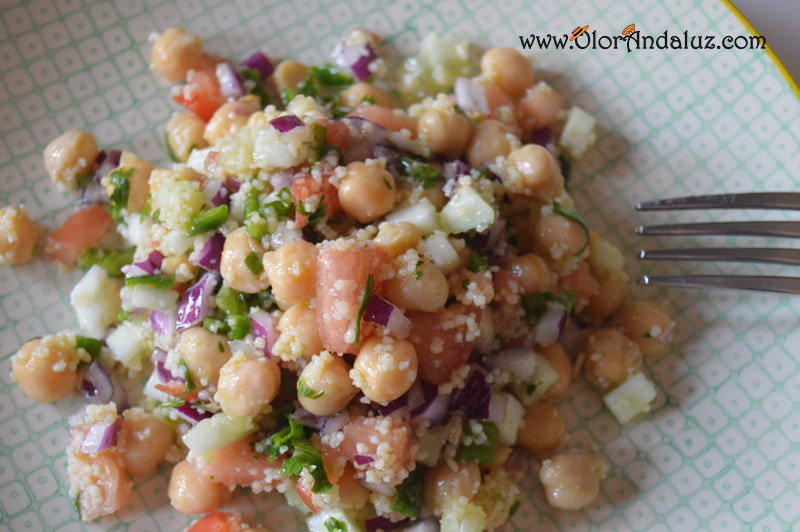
[372, 307]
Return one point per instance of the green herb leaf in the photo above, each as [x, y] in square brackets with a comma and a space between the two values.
[258, 89]
[315, 215]
[319, 136]
[558, 208]
[287, 95]
[480, 452]
[459, 110]
[239, 326]
[477, 263]
[304, 390]
[190, 387]
[305, 456]
[120, 184]
[423, 173]
[372, 100]
[156, 214]
[536, 305]
[124, 315]
[330, 76]
[208, 219]
[231, 301]
[388, 185]
[284, 205]
[147, 207]
[417, 272]
[514, 508]
[408, 500]
[219, 346]
[162, 282]
[254, 264]
[283, 438]
[368, 291]
[170, 152]
[281, 411]
[91, 345]
[647, 335]
[309, 87]
[465, 284]
[530, 389]
[78, 505]
[334, 525]
[111, 261]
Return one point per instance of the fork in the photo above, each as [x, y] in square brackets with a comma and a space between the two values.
[752, 200]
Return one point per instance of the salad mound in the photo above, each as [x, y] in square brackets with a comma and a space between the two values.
[374, 310]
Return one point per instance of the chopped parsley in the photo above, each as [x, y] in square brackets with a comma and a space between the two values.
[480, 452]
[372, 100]
[417, 272]
[91, 345]
[368, 291]
[283, 205]
[334, 525]
[319, 136]
[536, 305]
[465, 284]
[111, 261]
[304, 456]
[388, 185]
[287, 95]
[477, 263]
[304, 390]
[124, 315]
[514, 508]
[162, 282]
[330, 76]
[558, 208]
[258, 89]
[408, 500]
[530, 389]
[253, 263]
[120, 183]
[423, 173]
[147, 207]
[207, 220]
[219, 346]
[170, 152]
[190, 387]
[315, 215]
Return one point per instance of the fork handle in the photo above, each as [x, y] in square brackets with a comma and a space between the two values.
[748, 200]
[782, 285]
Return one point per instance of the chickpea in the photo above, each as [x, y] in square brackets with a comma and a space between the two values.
[147, 439]
[511, 70]
[559, 237]
[580, 281]
[290, 75]
[611, 296]
[571, 479]
[501, 454]
[179, 267]
[18, 235]
[138, 182]
[184, 134]
[351, 493]
[230, 118]
[329, 375]
[611, 357]
[425, 290]
[398, 237]
[292, 271]
[234, 271]
[543, 429]
[46, 370]
[299, 323]
[642, 321]
[246, 387]
[487, 142]
[385, 368]
[176, 52]
[540, 107]
[539, 174]
[69, 157]
[449, 482]
[367, 193]
[446, 132]
[355, 94]
[561, 362]
[191, 495]
[202, 355]
[533, 272]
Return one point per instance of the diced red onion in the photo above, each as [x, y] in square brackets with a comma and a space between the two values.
[362, 459]
[262, 325]
[393, 406]
[222, 197]
[157, 258]
[233, 184]
[473, 400]
[94, 193]
[229, 84]
[497, 408]
[100, 436]
[335, 423]
[430, 524]
[101, 156]
[306, 418]
[165, 375]
[363, 134]
[542, 136]
[381, 312]
[211, 254]
[379, 523]
[281, 179]
[412, 399]
[434, 408]
[191, 414]
[106, 166]
[97, 383]
[486, 242]
[284, 124]
[361, 66]
[515, 463]
[455, 169]
[666, 334]
[163, 322]
[195, 306]
[551, 325]
[137, 269]
[260, 62]
[471, 96]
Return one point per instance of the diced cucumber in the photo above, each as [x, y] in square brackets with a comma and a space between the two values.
[176, 243]
[430, 446]
[442, 253]
[423, 215]
[463, 518]
[544, 376]
[96, 301]
[466, 211]
[150, 297]
[316, 523]
[217, 432]
[510, 425]
[578, 134]
[129, 344]
[519, 361]
[631, 398]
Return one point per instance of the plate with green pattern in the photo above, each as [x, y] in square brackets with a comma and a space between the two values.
[718, 451]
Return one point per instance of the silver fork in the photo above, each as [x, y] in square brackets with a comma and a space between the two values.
[754, 200]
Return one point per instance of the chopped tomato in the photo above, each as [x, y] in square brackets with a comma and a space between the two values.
[304, 186]
[440, 350]
[304, 490]
[341, 278]
[238, 465]
[218, 522]
[364, 435]
[337, 134]
[201, 95]
[78, 233]
[385, 117]
[176, 389]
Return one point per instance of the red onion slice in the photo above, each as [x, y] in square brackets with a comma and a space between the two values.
[542, 137]
[381, 312]
[306, 418]
[156, 258]
[262, 325]
[281, 179]
[335, 423]
[106, 165]
[211, 255]
[97, 384]
[101, 436]
[430, 524]
[93, 193]
[470, 96]
[260, 62]
[190, 414]
[550, 327]
[362, 459]
[163, 322]
[284, 124]
[233, 184]
[363, 134]
[455, 169]
[473, 400]
[376, 524]
[361, 66]
[229, 84]
[195, 305]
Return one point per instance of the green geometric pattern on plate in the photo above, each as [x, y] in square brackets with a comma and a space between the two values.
[720, 449]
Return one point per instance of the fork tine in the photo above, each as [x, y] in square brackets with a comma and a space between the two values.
[749, 200]
[768, 255]
[784, 285]
[782, 229]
